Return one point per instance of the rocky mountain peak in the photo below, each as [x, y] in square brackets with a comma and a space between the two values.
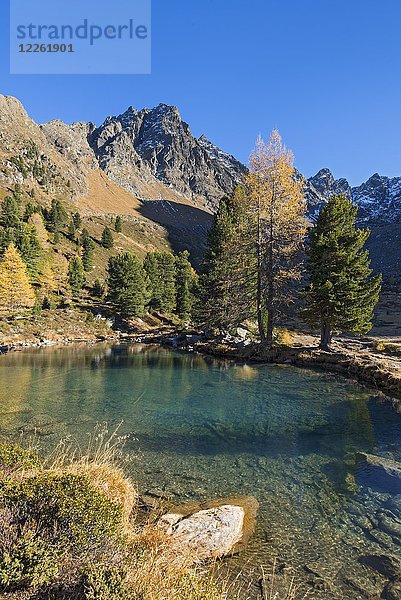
[159, 144]
[326, 186]
[379, 199]
[323, 180]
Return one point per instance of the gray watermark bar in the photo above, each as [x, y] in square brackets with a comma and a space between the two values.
[80, 37]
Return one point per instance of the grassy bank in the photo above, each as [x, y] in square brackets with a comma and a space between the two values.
[61, 325]
[70, 530]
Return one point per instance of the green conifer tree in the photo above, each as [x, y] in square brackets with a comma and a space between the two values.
[88, 247]
[72, 230]
[10, 212]
[107, 238]
[160, 268]
[118, 224]
[151, 266]
[76, 218]
[185, 279]
[227, 286]
[26, 240]
[76, 275]
[28, 244]
[56, 216]
[30, 209]
[127, 285]
[342, 291]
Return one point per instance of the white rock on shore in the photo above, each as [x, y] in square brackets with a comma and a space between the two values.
[215, 531]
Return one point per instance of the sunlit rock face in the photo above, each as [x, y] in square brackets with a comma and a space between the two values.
[159, 144]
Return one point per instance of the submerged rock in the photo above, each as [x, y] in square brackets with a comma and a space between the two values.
[380, 472]
[212, 529]
[388, 566]
[392, 591]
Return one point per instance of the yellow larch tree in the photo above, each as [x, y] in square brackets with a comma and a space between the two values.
[276, 196]
[16, 292]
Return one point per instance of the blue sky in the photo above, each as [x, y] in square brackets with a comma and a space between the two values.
[327, 73]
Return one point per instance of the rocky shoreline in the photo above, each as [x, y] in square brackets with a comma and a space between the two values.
[363, 367]
[352, 358]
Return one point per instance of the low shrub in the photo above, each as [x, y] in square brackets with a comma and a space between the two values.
[68, 505]
[27, 560]
[13, 457]
[102, 582]
[67, 532]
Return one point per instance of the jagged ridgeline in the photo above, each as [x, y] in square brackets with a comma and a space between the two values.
[147, 166]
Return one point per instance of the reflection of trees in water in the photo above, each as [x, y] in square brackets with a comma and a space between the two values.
[15, 387]
[180, 395]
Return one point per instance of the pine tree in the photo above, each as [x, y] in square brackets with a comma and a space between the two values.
[118, 224]
[7, 237]
[278, 203]
[28, 244]
[107, 238]
[88, 247]
[15, 290]
[30, 209]
[127, 285]
[167, 280]
[10, 212]
[227, 286]
[160, 268]
[185, 280]
[72, 230]
[57, 216]
[98, 288]
[151, 266]
[26, 240]
[76, 275]
[342, 291]
[76, 218]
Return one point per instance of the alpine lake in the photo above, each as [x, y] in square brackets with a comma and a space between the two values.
[198, 428]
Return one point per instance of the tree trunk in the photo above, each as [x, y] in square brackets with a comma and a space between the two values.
[325, 336]
[259, 298]
[270, 323]
[259, 309]
[270, 288]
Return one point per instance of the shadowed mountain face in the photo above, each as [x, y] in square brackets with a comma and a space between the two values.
[152, 154]
[187, 226]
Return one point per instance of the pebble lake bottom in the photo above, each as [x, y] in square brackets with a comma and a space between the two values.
[199, 428]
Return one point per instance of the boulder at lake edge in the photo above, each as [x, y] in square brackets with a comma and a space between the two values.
[380, 472]
[212, 529]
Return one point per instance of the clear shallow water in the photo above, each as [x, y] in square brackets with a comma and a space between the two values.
[204, 429]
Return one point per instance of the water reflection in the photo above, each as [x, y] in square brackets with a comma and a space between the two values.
[208, 428]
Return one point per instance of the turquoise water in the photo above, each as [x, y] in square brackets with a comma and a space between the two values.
[201, 428]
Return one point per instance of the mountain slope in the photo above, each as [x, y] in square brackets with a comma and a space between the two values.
[147, 164]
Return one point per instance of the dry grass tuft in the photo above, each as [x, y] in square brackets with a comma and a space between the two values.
[100, 462]
[273, 588]
[166, 572]
[149, 566]
[284, 336]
